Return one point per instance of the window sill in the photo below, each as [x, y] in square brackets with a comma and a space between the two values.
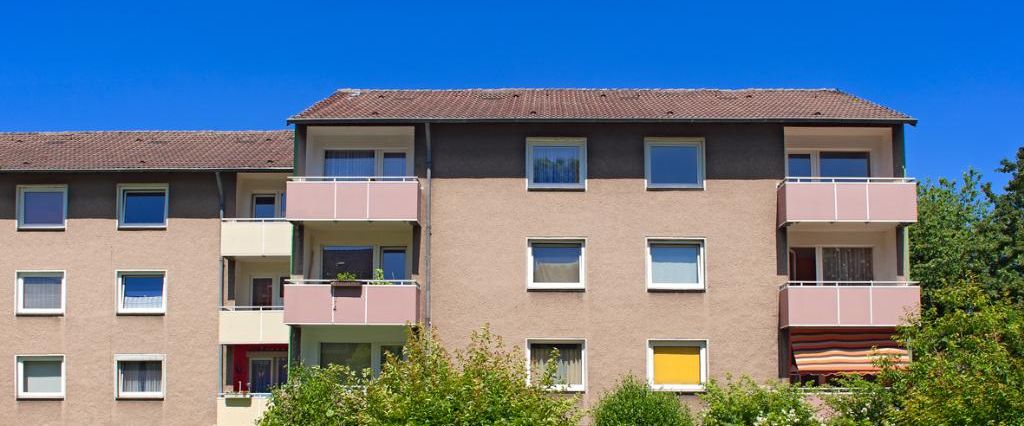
[47, 397]
[141, 397]
[577, 288]
[140, 227]
[142, 313]
[573, 187]
[566, 389]
[679, 388]
[675, 288]
[675, 187]
[55, 313]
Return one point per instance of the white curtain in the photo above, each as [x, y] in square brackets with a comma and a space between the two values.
[847, 264]
[41, 292]
[41, 376]
[556, 263]
[556, 164]
[569, 365]
[141, 376]
[142, 291]
[349, 163]
[675, 263]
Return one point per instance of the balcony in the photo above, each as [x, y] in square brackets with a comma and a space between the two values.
[239, 409]
[353, 199]
[252, 325]
[847, 304]
[847, 200]
[368, 302]
[255, 237]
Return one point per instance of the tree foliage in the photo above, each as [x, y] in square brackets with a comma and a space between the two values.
[744, 402]
[632, 402]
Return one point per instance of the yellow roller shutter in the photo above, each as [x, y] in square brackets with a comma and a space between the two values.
[676, 365]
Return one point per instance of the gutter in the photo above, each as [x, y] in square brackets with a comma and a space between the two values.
[822, 121]
[427, 230]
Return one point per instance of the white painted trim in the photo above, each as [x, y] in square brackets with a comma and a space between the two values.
[676, 141]
[582, 285]
[582, 388]
[19, 293]
[578, 142]
[701, 244]
[20, 376]
[132, 187]
[118, 358]
[701, 343]
[20, 200]
[119, 292]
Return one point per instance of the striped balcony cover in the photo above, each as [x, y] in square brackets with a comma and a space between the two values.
[832, 351]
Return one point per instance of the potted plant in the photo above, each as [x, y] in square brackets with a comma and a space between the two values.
[347, 279]
[378, 278]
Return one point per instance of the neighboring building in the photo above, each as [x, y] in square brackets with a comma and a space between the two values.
[675, 235]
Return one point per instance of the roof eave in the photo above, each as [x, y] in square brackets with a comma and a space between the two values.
[366, 120]
[157, 169]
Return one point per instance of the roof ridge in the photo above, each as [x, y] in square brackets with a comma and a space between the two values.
[648, 89]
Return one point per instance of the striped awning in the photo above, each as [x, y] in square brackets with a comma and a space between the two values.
[833, 351]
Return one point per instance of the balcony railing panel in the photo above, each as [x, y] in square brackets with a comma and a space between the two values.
[353, 199]
[394, 302]
[252, 325]
[847, 304]
[834, 200]
[255, 237]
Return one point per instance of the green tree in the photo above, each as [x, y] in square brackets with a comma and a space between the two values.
[632, 402]
[483, 384]
[744, 402]
[1006, 226]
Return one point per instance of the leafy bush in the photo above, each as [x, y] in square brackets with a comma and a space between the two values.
[632, 402]
[481, 385]
[865, 403]
[743, 402]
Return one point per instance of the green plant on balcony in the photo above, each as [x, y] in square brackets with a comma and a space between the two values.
[347, 276]
[378, 278]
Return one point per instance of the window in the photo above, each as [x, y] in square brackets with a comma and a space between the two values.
[40, 293]
[675, 264]
[799, 165]
[677, 365]
[355, 259]
[674, 162]
[142, 206]
[556, 163]
[40, 376]
[848, 265]
[266, 370]
[264, 206]
[365, 163]
[140, 376]
[828, 164]
[42, 207]
[556, 265]
[392, 263]
[141, 293]
[262, 292]
[570, 366]
[358, 356]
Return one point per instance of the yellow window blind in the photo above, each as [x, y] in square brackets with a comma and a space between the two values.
[676, 365]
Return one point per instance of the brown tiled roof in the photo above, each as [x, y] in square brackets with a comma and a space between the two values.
[784, 105]
[146, 150]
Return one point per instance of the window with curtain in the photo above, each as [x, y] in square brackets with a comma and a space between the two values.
[41, 377]
[41, 292]
[677, 365]
[675, 164]
[260, 375]
[845, 164]
[556, 264]
[568, 364]
[143, 207]
[556, 164]
[356, 356]
[349, 163]
[140, 377]
[847, 264]
[41, 207]
[394, 164]
[142, 292]
[675, 264]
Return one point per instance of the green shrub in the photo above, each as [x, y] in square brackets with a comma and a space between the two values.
[743, 402]
[632, 402]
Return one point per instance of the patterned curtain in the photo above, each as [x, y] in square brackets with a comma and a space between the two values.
[847, 264]
[348, 163]
[556, 164]
[569, 364]
[41, 292]
[141, 376]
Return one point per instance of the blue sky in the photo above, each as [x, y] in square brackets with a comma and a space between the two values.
[958, 67]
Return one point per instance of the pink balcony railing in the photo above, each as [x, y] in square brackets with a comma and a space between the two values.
[353, 198]
[392, 302]
[847, 303]
[859, 200]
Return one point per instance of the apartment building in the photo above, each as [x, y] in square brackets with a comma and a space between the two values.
[676, 235]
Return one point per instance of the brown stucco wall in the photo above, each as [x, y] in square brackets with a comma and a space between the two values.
[90, 332]
[483, 215]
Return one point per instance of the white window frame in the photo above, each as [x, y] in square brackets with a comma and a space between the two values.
[530, 285]
[378, 158]
[675, 141]
[583, 361]
[119, 291]
[122, 189]
[22, 189]
[700, 343]
[819, 256]
[278, 208]
[701, 263]
[273, 357]
[118, 358]
[19, 290]
[20, 376]
[816, 159]
[578, 142]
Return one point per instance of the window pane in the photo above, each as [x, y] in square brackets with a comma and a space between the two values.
[262, 291]
[144, 207]
[349, 163]
[676, 365]
[43, 208]
[354, 259]
[355, 355]
[675, 263]
[282, 370]
[678, 165]
[142, 291]
[569, 365]
[799, 165]
[259, 375]
[41, 376]
[283, 209]
[847, 264]
[263, 207]
[556, 263]
[845, 164]
[556, 164]
[141, 376]
[41, 292]
[394, 164]
[393, 263]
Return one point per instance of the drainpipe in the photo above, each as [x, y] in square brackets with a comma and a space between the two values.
[220, 286]
[426, 281]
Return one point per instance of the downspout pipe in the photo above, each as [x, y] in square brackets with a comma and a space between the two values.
[426, 250]
[220, 280]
